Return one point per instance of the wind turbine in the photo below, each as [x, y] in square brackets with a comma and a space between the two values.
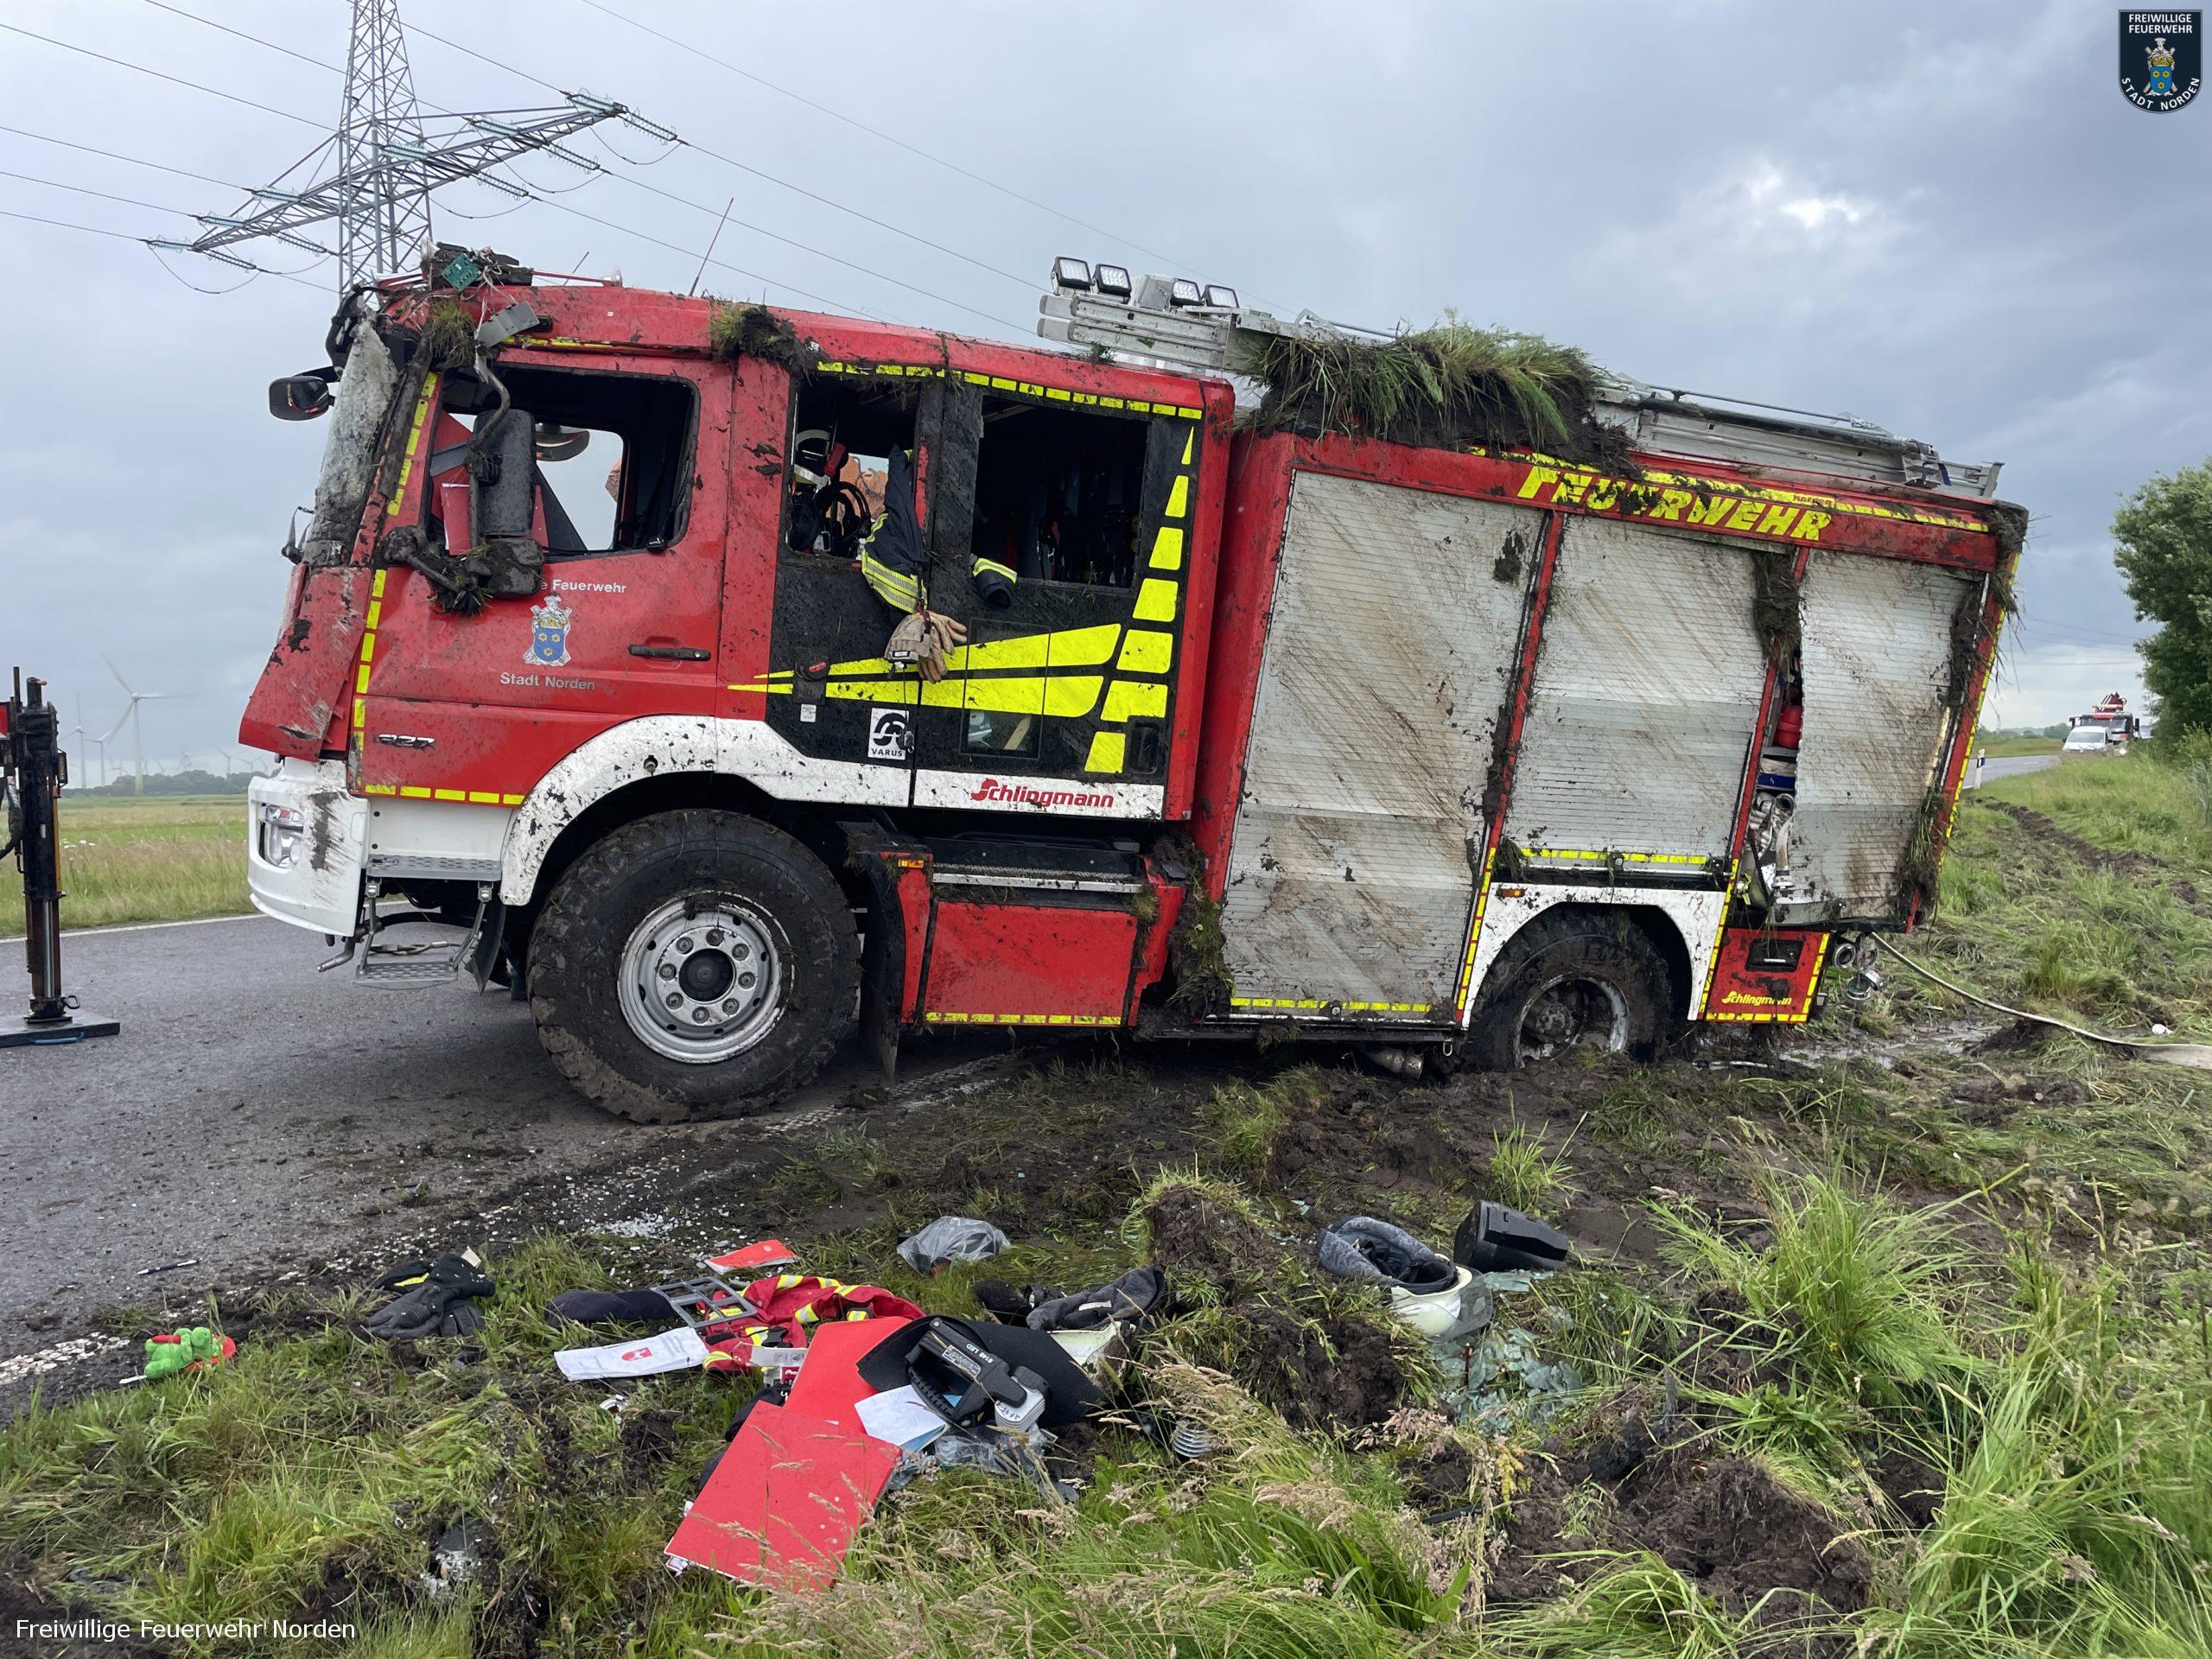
[130, 715]
[87, 741]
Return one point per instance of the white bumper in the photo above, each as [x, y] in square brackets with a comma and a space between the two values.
[305, 844]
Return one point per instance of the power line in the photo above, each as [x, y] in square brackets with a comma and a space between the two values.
[757, 229]
[2040, 624]
[112, 155]
[2090, 640]
[1024, 283]
[79, 189]
[877, 132]
[534, 195]
[178, 11]
[64, 225]
[723, 265]
[819, 253]
[125, 236]
[177, 80]
[134, 160]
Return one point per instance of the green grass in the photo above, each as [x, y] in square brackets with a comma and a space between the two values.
[1243, 1120]
[2124, 937]
[159, 859]
[1498, 385]
[1523, 1171]
[1847, 1292]
[1991, 1267]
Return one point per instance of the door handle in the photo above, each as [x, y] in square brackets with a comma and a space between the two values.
[673, 653]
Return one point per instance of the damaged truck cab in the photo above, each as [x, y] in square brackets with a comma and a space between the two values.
[593, 682]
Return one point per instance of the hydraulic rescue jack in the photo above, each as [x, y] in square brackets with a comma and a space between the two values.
[32, 769]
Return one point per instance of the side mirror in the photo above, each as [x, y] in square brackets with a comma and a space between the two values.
[557, 442]
[300, 396]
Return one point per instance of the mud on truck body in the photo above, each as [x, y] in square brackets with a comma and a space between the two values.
[1466, 753]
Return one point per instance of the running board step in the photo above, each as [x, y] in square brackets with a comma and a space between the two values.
[434, 962]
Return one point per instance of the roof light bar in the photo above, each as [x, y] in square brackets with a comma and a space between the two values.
[1168, 321]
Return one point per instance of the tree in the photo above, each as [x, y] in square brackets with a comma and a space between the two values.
[2165, 536]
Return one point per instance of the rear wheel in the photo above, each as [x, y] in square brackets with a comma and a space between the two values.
[693, 964]
[1581, 980]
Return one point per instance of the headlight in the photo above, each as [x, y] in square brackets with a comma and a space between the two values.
[280, 829]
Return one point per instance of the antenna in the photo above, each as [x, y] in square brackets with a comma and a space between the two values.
[387, 164]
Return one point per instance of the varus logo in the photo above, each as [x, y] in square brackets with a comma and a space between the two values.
[1029, 795]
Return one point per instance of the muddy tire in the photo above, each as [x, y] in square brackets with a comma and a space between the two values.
[693, 964]
[1582, 981]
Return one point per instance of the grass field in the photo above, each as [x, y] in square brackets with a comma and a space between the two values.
[1996, 747]
[1918, 1365]
[159, 859]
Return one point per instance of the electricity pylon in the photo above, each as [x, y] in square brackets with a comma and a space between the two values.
[386, 157]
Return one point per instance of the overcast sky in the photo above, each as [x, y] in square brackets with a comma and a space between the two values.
[1945, 219]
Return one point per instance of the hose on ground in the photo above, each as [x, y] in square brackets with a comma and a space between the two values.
[2197, 1055]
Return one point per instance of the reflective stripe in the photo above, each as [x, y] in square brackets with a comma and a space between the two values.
[983, 564]
[937, 1018]
[894, 588]
[1107, 751]
[1067, 695]
[414, 443]
[1145, 653]
[1155, 602]
[1134, 700]
[1602, 856]
[1315, 1002]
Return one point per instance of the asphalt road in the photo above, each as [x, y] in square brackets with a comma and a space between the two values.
[262, 1118]
[2012, 766]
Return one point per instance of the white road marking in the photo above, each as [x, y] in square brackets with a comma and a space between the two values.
[140, 927]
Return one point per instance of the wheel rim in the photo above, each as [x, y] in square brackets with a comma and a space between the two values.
[1573, 1011]
[702, 980]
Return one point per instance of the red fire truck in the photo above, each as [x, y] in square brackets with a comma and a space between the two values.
[1458, 754]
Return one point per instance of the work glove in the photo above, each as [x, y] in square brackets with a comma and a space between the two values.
[441, 1302]
[922, 639]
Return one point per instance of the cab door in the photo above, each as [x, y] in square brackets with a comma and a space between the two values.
[1064, 694]
[632, 459]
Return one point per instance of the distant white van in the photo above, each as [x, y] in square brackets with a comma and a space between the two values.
[2092, 738]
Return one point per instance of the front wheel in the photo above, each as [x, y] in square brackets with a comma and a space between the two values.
[693, 964]
[1578, 981]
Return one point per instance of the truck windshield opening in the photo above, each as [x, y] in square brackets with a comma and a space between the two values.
[612, 454]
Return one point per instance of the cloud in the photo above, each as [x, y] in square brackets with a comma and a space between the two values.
[1760, 228]
[2040, 685]
[1945, 219]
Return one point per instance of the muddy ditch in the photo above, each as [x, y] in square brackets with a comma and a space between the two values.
[1723, 1520]
[1067, 1148]
[1050, 1145]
